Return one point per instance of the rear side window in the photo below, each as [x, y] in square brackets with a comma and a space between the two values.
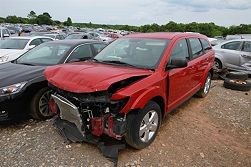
[195, 47]
[180, 50]
[98, 47]
[205, 44]
[247, 46]
[46, 39]
[81, 53]
[36, 42]
[232, 45]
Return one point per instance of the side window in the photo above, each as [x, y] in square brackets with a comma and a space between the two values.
[247, 46]
[35, 42]
[46, 39]
[195, 47]
[98, 47]
[232, 45]
[180, 50]
[82, 53]
[205, 44]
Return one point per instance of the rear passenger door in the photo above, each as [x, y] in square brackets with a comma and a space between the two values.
[231, 52]
[198, 62]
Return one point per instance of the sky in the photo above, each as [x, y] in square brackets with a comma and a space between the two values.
[135, 12]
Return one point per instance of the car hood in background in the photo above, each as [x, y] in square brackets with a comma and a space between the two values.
[11, 53]
[87, 77]
[11, 73]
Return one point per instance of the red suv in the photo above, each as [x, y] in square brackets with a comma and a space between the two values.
[128, 88]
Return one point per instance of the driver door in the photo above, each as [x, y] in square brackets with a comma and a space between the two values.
[178, 79]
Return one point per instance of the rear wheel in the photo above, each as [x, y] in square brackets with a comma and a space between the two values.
[217, 65]
[205, 90]
[143, 126]
[39, 108]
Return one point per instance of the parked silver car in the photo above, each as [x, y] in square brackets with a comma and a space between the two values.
[4, 32]
[234, 55]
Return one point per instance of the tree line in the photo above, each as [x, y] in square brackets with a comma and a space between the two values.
[32, 18]
[209, 29]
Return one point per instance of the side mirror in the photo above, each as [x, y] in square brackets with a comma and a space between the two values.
[6, 35]
[177, 63]
[31, 47]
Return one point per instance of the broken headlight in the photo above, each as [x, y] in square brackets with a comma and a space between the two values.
[15, 88]
[118, 105]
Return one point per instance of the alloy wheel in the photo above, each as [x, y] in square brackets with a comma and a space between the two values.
[149, 126]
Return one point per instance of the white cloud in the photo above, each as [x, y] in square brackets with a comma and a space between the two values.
[135, 12]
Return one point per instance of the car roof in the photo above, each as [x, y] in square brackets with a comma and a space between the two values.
[29, 37]
[244, 39]
[75, 41]
[165, 35]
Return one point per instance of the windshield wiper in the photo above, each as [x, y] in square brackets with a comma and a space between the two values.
[93, 59]
[29, 64]
[118, 62]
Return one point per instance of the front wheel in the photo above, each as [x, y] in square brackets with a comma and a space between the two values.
[39, 108]
[205, 90]
[143, 126]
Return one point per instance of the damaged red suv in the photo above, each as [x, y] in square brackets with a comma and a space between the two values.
[129, 87]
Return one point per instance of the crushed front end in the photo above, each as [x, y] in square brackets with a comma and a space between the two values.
[89, 115]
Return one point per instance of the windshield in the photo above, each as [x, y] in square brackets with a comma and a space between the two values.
[45, 54]
[13, 43]
[140, 53]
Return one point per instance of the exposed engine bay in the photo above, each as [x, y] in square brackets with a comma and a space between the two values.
[93, 113]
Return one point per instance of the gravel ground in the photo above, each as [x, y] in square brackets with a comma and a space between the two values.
[214, 131]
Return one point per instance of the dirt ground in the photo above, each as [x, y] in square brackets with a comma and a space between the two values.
[214, 131]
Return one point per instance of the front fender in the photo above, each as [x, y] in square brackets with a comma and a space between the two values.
[145, 97]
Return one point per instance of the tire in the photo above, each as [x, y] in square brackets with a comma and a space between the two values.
[203, 92]
[217, 65]
[38, 100]
[237, 75]
[135, 121]
[230, 84]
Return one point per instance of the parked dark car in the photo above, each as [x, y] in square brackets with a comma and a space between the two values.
[130, 86]
[79, 36]
[23, 86]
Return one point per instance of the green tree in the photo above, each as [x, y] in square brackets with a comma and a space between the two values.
[12, 19]
[44, 19]
[47, 14]
[32, 15]
[68, 22]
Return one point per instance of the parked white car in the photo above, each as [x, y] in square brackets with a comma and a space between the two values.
[13, 47]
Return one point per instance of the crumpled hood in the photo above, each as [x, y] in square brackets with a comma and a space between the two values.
[11, 73]
[12, 53]
[89, 77]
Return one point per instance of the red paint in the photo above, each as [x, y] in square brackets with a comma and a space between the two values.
[52, 106]
[173, 86]
[97, 126]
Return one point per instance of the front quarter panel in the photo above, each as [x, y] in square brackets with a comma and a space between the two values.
[142, 92]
